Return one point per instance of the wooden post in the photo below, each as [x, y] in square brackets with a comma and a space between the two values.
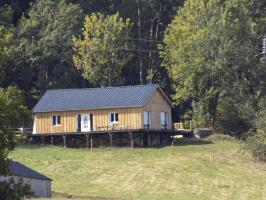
[87, 140]
[91, 143]
[132, 143]
[111, 139]
[131, 140]
[43, 140]
[173, 147]
[190, 125]
[142, 139]
[64, 140]
[52, 140]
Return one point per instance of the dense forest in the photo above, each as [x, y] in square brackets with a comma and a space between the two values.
[207, 55]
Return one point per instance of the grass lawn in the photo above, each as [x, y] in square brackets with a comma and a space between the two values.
[196, 170]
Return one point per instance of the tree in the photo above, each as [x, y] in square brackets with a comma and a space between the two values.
[12, 115]
[5, 49]
[101, 50]
[210, 52]
[44, 49]
[150, 18]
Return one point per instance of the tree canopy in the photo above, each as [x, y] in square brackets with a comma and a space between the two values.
[44, 45]
[101, 52]
[211, 57]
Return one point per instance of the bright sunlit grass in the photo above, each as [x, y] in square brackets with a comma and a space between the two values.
[196, 170]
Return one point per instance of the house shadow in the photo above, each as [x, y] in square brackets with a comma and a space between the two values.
[29, 146]
[191, 141]
[185, 142]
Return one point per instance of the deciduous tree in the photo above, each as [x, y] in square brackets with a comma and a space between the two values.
[101, 50]
[210, 53]
[45, 45]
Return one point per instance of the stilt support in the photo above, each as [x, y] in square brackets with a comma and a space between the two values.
[64, 140]
[111, 139]
[52, 140]
[131, 140]
[43, 140]
[91, 143]
[87, 140]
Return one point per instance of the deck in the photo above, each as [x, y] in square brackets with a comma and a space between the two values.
[113, 138]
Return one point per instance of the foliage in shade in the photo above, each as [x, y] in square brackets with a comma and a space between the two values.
[256, 140]
[45, 46]
[100, 51]
[10, 190]
[12, 115]
[5, 50]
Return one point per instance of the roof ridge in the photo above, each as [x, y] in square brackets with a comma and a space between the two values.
[111, 87]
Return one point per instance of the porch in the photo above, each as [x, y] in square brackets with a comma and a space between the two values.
[107, 138]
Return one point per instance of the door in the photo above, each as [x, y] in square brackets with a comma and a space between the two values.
[85, 123]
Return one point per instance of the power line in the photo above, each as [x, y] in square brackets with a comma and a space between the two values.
[145, 40]
[128, 38]
[141, 50]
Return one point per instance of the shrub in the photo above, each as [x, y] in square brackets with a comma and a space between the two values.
[256, 141]
[257, 147]
[10, 190]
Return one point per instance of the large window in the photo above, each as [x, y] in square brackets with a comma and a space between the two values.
[164, 120]
[147, 119]
[113, 117]
[56, 120]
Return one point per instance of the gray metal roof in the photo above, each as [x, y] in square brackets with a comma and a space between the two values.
[17, 169]
[95, 98]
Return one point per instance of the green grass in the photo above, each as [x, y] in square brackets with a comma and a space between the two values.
[218, 170]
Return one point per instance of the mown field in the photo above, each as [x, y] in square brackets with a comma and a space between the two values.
[196, 170]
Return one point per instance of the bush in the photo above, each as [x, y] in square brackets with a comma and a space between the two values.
[234, 118]
[257, 147]
[9, 190]
[256, 141]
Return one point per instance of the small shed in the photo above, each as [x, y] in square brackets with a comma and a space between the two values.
[40, 184]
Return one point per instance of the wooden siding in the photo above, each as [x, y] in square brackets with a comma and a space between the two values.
[157, 104]
[129, 118]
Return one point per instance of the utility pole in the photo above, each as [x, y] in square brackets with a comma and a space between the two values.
[264, 46]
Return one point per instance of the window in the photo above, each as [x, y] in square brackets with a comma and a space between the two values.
[147, 119]
[56, 120]
[164, 120]
[113, 117]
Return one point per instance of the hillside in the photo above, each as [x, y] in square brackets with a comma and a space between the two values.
[196, 170]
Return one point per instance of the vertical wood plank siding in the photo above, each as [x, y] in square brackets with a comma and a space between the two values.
[157, 104]
[128, 117]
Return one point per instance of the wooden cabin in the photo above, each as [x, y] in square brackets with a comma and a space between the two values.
[102, 109]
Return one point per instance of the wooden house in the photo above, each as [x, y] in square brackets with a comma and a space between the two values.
[40, 185]
[101, 109]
